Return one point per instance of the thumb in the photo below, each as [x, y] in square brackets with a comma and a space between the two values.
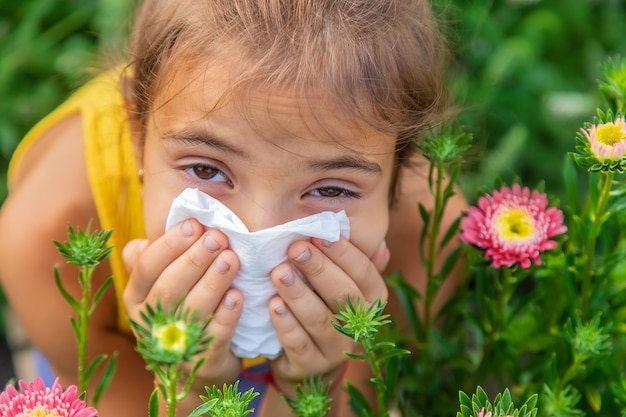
[381, 257]
[131, 252]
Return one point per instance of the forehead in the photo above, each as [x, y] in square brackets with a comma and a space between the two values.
[219, 95]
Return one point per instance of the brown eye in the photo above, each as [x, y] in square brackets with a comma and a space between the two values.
[331, 192]
[334, 193]
[207, 173]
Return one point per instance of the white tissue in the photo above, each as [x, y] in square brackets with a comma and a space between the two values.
[259, 252]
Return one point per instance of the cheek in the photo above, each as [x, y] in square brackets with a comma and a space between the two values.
[156, 206]
[368, 231]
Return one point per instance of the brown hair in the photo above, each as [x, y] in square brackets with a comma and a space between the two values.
[380, 60]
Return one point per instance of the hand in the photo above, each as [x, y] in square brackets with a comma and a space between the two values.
[302, 316]
[192, 266]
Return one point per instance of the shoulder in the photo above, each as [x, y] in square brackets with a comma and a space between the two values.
[49, 189]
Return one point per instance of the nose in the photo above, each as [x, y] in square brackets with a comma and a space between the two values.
[261, 214]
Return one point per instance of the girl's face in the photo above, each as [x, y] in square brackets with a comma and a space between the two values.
[285, 159]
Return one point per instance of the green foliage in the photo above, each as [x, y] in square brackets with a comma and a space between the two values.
[312, 398]
[167, 339]
[170, 337]
[86, 251]
[479, 405]
[47, 49]
[227, 402]
[524, 76]
[552, 329]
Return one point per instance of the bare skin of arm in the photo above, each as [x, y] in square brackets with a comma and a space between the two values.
[50, 192]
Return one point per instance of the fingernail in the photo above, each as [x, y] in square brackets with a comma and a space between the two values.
[210, 243]
[186, 228]
[304, 256]
[326, 243]
[221, 265]
[382, 246]
[230, 302]
[281, 310]
[288, 278]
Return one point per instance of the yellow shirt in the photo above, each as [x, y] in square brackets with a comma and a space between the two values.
[110, 162]
[111, 169]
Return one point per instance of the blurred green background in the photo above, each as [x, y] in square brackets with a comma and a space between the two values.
[524, 73]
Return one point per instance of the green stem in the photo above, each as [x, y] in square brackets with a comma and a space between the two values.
[383, 407]
[497, 321]
[503, 296]
[570, 373]
[606, 183]
[83, 326]
[172, 400]
[432, 248]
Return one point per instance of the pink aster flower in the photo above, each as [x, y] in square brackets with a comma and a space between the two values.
[607, 141]
[482, 413]
[488, 414]
[513, 226]
[37, 400]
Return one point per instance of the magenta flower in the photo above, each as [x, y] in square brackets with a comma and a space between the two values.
[37, 400]
[513, 226]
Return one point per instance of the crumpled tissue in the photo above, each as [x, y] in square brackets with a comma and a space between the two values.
[259, 252]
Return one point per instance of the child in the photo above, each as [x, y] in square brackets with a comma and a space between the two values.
[279, 110]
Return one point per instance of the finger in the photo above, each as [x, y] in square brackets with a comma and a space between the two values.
[221, 366]
[207, 293]
[329, 280]
[310, 312]
[132, 251]
[155, 258]
[296, 342]
[381, 257]
[356, 265]
[224, 321]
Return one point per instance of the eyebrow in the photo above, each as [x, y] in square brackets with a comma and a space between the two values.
[206, 139]
[345, 162]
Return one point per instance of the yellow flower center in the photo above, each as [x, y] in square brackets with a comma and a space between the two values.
[39, 412]
[173, 336]
[514, 224]
[609, 134]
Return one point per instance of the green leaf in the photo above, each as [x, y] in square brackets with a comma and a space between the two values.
[408, 296]
[391, 378]
[204, 408]
[451, 261]
[68, 297]
[359, 404]
[153, 404]
[107, 378]
[101, 292]
[451, 232]
[75, 326]
[93, 365]
[594, 398]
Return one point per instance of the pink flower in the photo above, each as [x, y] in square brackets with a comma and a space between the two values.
[607, 140]
[482, 413]
[37, 400]
[513, 226]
